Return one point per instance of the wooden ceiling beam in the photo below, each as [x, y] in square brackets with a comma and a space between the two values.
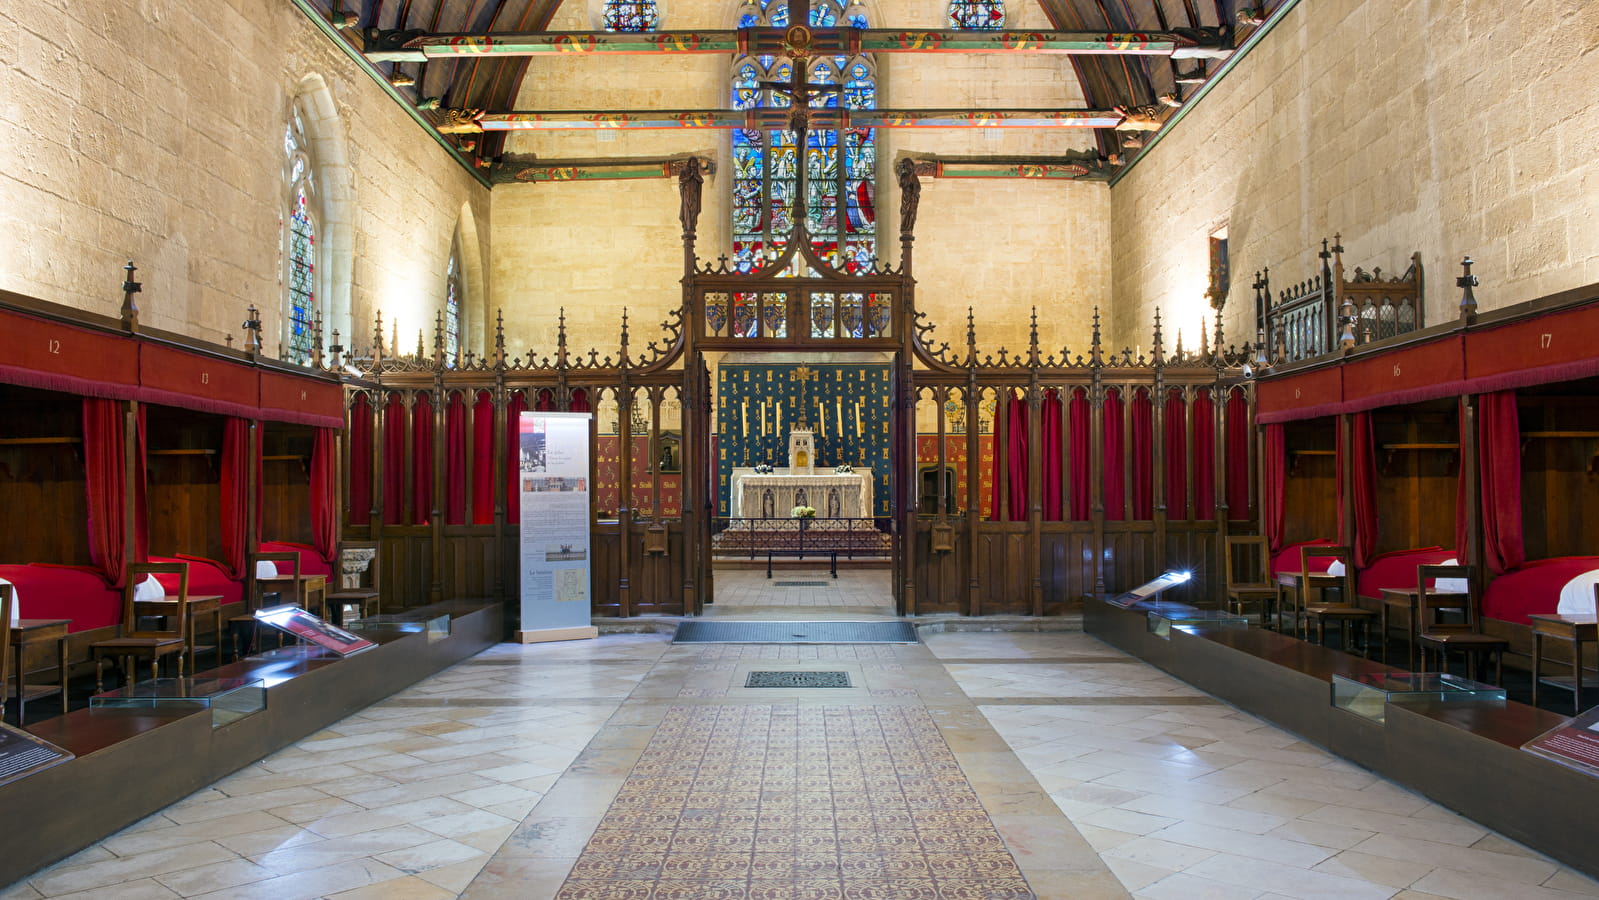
[458, 121]
[418, 46]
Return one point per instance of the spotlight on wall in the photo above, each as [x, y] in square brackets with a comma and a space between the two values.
[400, 78]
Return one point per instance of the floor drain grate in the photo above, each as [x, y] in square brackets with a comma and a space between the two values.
[797, 680]
[799, 584]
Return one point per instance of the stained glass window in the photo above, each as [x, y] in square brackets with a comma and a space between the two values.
[631, 15]
[977, 15]
[840, 169]
[300, 238]
[452, 309]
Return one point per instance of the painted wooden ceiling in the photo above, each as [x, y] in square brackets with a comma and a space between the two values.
[490, 83]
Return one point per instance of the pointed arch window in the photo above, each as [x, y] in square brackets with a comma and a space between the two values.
[841, 168]
[300, 242]
[977, 15]
[452, 308]
[631, 15]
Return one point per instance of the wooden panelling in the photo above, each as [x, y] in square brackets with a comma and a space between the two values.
[1418, 461]
[184, 450]
[41, 472]
[1559, 486]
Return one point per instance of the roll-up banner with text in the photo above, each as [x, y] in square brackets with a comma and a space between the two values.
[553, 468]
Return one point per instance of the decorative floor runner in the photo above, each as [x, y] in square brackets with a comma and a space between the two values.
[796, 803]
[709, 632]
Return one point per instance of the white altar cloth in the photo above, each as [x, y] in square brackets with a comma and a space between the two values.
[831, 494]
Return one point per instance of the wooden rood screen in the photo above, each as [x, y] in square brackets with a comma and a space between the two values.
[1027, 480]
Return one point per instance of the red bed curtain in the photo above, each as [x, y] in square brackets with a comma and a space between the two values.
[234, 483]
[394, 460]
[1204, 455]
[360, 461]
[1365, 490]
[324, 499]
[1015, 510]
[483, 459]
[455, 461]
[1276, 465]
[513, 465]
[1115, 474]
[1499, 460]
[1078, 459]
[106, 487]
[1238, 431]
[1050, 422]
[1143, 455]
[1176, 455]
[422, 460]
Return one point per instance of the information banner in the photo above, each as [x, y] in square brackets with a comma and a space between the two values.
[553, 467]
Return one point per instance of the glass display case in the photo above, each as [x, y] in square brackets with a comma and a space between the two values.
[229, 699]
[1176, 615]
[1369, 695]
[436, 624]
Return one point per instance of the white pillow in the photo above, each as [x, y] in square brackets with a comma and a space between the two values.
[16, 604]
[1336, 567]
[266, 568]
[1451, 585]
[1576, 598]
[149, 589]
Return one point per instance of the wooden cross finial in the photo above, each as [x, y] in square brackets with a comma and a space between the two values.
[1468, 298]
[130, 311]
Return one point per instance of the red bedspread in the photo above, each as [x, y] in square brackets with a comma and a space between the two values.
[310, 562]
[65, 592]
[206, 578]
[1533, 588]
[1397, 569]
[1287, 559]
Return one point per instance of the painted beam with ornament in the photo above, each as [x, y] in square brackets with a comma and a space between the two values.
[420, 47]
[539, 171]
[465, 121]
[1073, 169]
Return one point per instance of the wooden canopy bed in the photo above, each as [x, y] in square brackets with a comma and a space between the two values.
[1480, 433]
[130, 442]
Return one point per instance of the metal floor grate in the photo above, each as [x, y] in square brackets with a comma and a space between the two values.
[702, 632]
[797, 680]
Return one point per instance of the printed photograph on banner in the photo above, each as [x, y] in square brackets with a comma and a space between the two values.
[533, 447]
[571, 585]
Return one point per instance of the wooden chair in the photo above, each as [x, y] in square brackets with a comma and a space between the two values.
[1346, 611]
[245, 625]
[1466, 636]
[171, 639]
[366, 589]
[1258, 591]
[7, 598]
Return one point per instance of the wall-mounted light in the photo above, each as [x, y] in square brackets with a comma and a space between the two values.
[400, 78]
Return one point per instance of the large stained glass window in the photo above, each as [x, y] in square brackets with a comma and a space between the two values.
[300, 299]
[977, 15]
[452, 308]
[840, 168]
[631, 15]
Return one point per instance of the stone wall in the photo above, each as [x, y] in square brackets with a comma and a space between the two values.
[153, 131]
[1003, 245]
[1452, 129]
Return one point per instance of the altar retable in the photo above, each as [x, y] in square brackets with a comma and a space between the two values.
[834, 495]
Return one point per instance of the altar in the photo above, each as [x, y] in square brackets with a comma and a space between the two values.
[833, 495]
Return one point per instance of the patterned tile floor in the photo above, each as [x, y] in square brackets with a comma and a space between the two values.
[512, 775]
[779, 802]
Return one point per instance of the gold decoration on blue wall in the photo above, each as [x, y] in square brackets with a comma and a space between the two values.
[858, 436]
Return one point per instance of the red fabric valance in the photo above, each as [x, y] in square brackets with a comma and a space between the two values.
[186, 380]
[304, 401]
[1557, 346]
[52, 356]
